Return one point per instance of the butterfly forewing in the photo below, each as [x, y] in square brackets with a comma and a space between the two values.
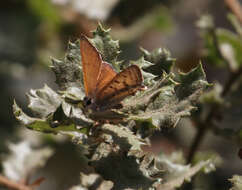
[122, 85]
[91, 66]
[106, 75]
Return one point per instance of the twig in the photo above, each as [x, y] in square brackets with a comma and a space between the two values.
[205, 125]
[235, 7]
[12, 184]
[234, 76]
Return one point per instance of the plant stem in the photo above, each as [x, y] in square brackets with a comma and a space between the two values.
[205, 125]
[12, 184]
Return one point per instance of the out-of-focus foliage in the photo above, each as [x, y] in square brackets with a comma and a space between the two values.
[24, 159]
[236, 180]
[224, 49]
[220, 108]
[222, 46]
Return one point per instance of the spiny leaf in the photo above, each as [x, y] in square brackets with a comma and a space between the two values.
[148, 77]
[161, 61]
[166, 101]
[43, 101]
[191, 82]
[68, 72]
[45, 125]
[117, 144]
[108, 47]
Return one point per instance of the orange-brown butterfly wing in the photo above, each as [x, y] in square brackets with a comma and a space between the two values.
[106, 75]
[122, 85]
[91, 66]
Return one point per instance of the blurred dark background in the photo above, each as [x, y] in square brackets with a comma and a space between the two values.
[32, 31]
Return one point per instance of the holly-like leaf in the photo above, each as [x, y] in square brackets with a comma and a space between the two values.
[160, 60]
[166, 101]
[191, 82]
[68, 72]
[166, 98]
[50, 124]
[43, 101]
[108, 47]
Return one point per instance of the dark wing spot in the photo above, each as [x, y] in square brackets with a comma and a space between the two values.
[125, 84]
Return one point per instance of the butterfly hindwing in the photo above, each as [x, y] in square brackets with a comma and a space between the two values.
[122, 85]
[91, 66]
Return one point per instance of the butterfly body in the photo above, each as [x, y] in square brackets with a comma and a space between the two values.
[104, 87]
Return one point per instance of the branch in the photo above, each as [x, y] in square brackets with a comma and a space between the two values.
[12, 184]
[205, 125]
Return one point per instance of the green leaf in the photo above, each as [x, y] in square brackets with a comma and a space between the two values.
[160, 60]
[213, 96]
[69, 72]
[221, 46]
[46, 125]
[148, 77]
[120, 145]
[50, 15]
[235, 22]
[232, 40]
[191, 82]
[166, 101]
[108, 47]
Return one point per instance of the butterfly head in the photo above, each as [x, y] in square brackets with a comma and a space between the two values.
[89, 103]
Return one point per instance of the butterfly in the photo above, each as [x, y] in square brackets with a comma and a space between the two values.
[104, 87]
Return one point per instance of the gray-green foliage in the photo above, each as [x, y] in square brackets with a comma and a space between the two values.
[223, 48]
[114, 149]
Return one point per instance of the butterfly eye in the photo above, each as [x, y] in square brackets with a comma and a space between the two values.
[87, 101]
